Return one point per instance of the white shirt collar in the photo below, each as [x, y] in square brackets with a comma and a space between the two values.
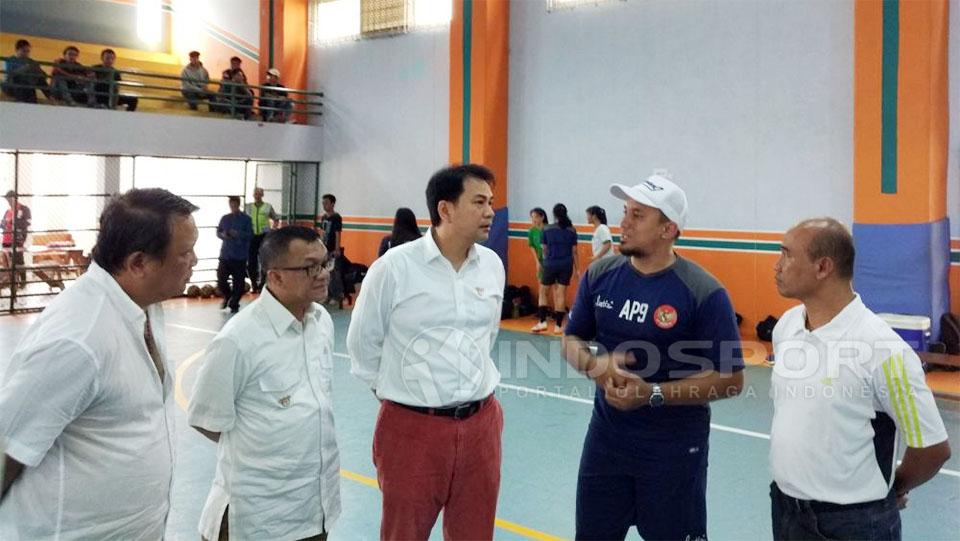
[128, 310]
[280, 318]
[432, 251]
[836, 327]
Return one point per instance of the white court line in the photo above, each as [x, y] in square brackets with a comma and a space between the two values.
[541, 392]
[197, 329]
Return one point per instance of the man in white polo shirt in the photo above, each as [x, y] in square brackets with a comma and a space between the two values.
[846, 392]
[86, 402]
[420, 337]
[263, 393]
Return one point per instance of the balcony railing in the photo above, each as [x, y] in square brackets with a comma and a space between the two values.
[235, 99]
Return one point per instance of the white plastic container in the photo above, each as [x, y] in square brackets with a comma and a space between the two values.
[915, 330]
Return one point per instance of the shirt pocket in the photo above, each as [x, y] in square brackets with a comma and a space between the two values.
[325, 362]
[279, 388]
[485, 306]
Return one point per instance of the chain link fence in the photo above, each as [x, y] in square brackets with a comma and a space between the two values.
[52, 212]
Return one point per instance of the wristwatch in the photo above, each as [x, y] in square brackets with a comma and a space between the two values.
[656, 396]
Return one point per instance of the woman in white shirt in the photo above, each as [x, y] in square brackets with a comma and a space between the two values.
[602, 242]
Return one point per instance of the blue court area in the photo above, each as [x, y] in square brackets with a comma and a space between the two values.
[546, 410]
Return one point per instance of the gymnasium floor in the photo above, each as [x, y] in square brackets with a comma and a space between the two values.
[542, 441]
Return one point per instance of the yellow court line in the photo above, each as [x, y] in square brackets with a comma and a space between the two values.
[524, 531]
[513, 527]
[178, 393]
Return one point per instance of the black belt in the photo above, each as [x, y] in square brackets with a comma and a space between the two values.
[461, 412]
[825, 507]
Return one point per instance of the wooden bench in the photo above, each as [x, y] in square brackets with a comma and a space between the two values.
[940, 359]
[57, 250]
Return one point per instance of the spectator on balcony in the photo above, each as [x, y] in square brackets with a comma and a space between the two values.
[194, 81]
[106, 91]
[72, 83]
[24, 76]
[240, 97]
[235, 64]
[226, 77]
[235, 97]
[274, 98]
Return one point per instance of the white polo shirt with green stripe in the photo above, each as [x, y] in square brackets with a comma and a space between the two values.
[847, 396]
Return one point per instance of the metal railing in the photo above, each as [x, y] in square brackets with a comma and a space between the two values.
[233, 98]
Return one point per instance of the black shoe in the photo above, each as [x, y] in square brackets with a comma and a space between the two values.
[223, 304]
[234, 310]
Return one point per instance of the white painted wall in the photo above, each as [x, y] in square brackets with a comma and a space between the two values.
[749, 103]
[65, 129]
[240, 17]
[385, 115]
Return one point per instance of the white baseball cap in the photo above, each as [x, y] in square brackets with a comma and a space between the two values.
[273, 71]
[659, 192]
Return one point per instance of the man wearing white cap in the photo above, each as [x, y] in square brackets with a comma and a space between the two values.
[275, 106]
[668, 344]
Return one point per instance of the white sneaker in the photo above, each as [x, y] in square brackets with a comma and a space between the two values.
[557, 329]
[539, 327]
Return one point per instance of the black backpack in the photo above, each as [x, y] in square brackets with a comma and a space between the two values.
[509, 292]
[765, 329]
[351, 273]
[527, 305]
[517, 301]
[950, 333]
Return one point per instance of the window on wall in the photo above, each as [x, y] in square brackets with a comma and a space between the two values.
[557, 5]
[336, 20]
[379, 17]
[344, 20]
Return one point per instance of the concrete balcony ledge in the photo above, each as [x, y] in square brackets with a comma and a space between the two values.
[48, 128]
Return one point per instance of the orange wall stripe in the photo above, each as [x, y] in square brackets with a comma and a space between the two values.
[770, 236]
[747, 276]
[387, 220]
[921, 114]
[456, 84]
[490, 88]
[867, 89]
[486, 97]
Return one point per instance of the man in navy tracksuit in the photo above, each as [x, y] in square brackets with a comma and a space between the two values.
[668, 345]
[236, 230]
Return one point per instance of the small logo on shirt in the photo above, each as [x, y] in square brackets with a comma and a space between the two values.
[479, 291]
[285, 402]
[603, 303]
[665, 316]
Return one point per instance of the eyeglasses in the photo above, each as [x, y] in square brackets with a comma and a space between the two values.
[313, 270]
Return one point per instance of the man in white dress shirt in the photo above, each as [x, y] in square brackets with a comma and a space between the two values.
[263, 393]
[420, 336]
[86, 402]
[847, 391]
